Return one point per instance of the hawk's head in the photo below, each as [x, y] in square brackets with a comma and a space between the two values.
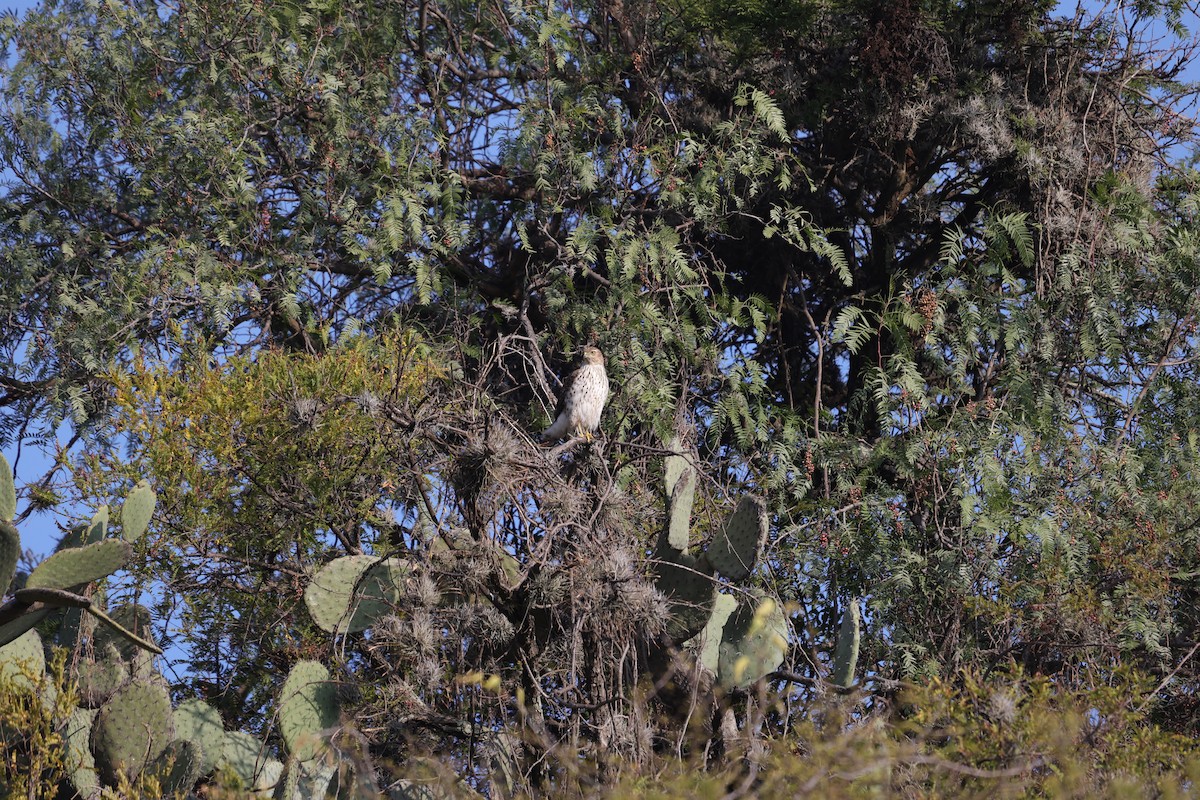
[592, 355]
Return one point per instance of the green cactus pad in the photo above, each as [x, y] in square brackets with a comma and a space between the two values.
[680, 478]
[308, 707]
[247, 758]
[754, 642]
[288, 787]
[80, 764]
[177, 768]
[132, 729]
[25, 653]
[734, 549]
[80, 535]
[674, 465]
[348, 594]
[100, 680]
[314, 778]
[687, 583]
[846, 657]
[199, 722]
[137, 511]
[8, 492]
[80, 565]
[10, 554]
[707, 644]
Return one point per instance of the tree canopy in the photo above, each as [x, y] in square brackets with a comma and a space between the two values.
[913, 282]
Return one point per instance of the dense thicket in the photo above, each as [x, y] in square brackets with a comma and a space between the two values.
[920, 274]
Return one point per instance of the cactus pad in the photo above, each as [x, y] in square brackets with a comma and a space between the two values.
[288, 787]
[137, 511]
[8, 492]
[132, 729]
[178, 767]
[25, 653]
[199, 722]
[79, 762]
[687, 583]
[10, 554]
[681, 494]
[308, 706]
[77, 566]
[349, 593]
[734, 550]
[707, 643]
[79, 535]
[246, 757]
[753, 643]
[846, 657]
[674, 465]
[100, 680]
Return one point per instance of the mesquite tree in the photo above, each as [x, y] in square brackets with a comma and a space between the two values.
[919, 276]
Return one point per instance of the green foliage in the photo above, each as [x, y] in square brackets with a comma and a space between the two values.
[34, 700]
[307, 269]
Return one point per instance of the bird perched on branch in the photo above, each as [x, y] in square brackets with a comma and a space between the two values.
[582, 398]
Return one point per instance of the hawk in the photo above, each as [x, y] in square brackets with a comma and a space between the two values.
[582, 399]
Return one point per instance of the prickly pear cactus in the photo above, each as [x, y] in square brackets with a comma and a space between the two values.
[247, 758]
[77, 566]
[680, 479]
[132, 617]
[687, 583]
[80, 763]
[707, 644]
[99, 680]
[8, 492]
[350, 593]
[177, 768]
[10, 554]
[132, 729]
[734, 549]
[199, 722]
[23, 654]
[846, 657]
[754, 641]
[308, 708]
[137, 511]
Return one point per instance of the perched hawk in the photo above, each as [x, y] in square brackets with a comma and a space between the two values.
[582, 399]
